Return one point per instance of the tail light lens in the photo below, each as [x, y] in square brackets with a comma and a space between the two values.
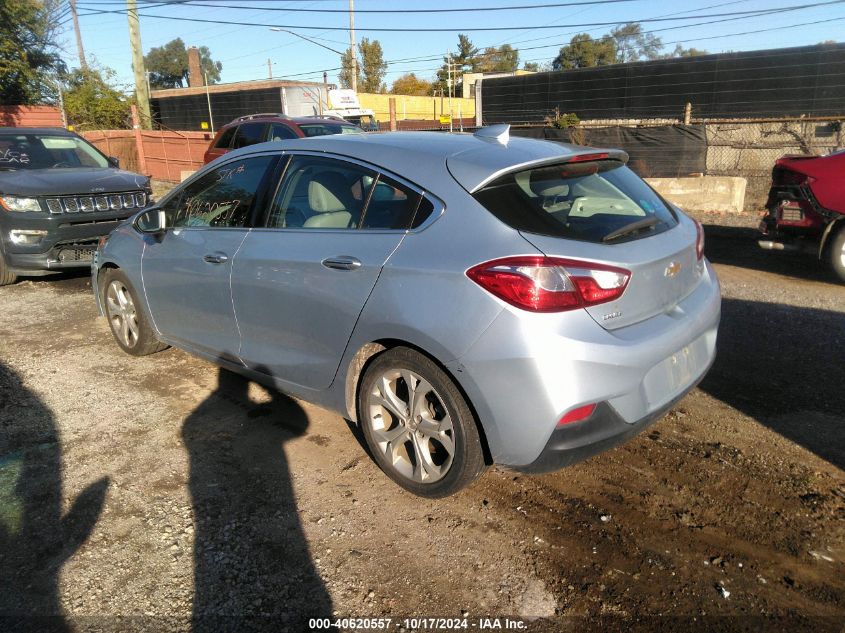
[699, 240]
[550, 284]
[576, 415]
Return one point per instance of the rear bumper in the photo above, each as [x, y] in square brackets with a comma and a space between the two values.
[603, 430]
[526, 371]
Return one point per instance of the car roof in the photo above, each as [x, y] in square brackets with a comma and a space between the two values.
[37, 130]
[426, 157]
[282, 118]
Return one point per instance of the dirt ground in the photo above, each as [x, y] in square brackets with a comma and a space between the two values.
[161, 494]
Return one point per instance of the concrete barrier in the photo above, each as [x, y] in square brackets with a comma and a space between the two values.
[703, 193]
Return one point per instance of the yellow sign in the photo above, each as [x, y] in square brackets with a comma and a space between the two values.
[70, 128]
[445, 118]
[204, 125]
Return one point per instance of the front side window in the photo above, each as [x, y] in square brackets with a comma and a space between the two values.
[321, 193]
[222, 198]
[45, 151]
[592, 201]
[248, 134]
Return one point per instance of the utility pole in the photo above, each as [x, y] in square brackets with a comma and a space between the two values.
[141, 93]
[352, 46]
[269, 68]
[79, 46]
[450, 92]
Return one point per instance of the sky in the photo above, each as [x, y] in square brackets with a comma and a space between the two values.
[244, 50]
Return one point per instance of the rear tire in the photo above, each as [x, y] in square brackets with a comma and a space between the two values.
[126, 316]
[6, 276]
[417, 424]
[836, 252]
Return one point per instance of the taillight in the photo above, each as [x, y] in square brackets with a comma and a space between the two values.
[550, 284]
[699, 240]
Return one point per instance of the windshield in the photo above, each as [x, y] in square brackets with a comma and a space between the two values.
[323, 129]
[23, 150]
[595, 201]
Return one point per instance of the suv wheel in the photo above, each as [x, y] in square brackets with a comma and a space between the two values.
[417, 424]
[6, 276]
[127, 320]
[836, 252]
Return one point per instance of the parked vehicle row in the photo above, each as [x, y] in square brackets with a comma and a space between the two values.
[466, 299]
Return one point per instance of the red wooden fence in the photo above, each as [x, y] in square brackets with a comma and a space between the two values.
[30, 116]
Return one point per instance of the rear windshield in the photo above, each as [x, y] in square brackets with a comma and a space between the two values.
[596, 201]
[324, 129]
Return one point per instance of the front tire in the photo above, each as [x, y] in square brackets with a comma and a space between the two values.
[6, 276]
[836, 252]
[127, 320]
[417, 424]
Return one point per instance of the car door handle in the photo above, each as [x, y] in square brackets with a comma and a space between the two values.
[216, 258]
[342, 262]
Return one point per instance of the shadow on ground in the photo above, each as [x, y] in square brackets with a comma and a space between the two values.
[783, 366]
[35, 539]
[252, 565]
[737, 246]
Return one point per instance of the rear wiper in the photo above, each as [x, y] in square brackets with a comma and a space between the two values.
[633, 227]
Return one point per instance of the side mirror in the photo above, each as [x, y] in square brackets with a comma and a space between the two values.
[152, 221]
[113, 161]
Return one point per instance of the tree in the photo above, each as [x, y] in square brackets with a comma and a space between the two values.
[347, 62]
[503, 59]
[633, 45]
[410, 84]
[168, 65]
[373, 66]
[680, 51]
[93, 101]
[533, 67]
[464, 61]
[29, 52]
[585, 52]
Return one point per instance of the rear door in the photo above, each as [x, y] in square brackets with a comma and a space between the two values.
[300, 283]
[187, 272]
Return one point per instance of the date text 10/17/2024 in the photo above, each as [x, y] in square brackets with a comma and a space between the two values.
[417, 624]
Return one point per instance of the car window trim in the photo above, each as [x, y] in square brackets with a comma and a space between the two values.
[263, 187]
[439, 205]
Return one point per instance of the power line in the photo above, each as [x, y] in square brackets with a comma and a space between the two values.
[754, 13]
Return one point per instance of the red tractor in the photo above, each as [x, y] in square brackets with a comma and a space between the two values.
[806, 207]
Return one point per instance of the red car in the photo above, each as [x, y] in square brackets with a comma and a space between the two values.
[806, 205]
[257, 128]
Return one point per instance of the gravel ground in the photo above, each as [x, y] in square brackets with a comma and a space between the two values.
[162, 494]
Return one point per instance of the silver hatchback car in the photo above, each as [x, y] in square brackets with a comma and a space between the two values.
[466, 299]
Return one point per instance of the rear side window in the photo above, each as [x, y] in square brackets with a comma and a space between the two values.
[326, 129]
[225, 139]
[392, 205]
[595, 201]
[280, 132]
[249, 134]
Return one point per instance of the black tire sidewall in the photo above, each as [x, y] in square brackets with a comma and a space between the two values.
[468, 460]
[6, 277]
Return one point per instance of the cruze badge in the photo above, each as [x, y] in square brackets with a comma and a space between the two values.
[672, 269]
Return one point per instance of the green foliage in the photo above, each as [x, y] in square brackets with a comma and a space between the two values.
[563, 120]
[680, 51]
[633, 45]
[29, 52]
[347, 62]
[464, 61]
[410, 84]
[585, 52]
[533, 67]
[373, 66]
[93, 101]
[168, 65]
[502, 59]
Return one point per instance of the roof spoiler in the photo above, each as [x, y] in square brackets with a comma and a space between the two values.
[500, 133]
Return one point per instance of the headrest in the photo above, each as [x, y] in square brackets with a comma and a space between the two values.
[327, 192]
[547, 183]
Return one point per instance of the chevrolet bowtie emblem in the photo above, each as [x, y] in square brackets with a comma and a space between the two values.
[672, 269]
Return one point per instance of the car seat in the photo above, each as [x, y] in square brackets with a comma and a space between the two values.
[331, 201]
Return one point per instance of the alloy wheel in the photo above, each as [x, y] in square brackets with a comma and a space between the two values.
[123, 317]
[411, 425]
